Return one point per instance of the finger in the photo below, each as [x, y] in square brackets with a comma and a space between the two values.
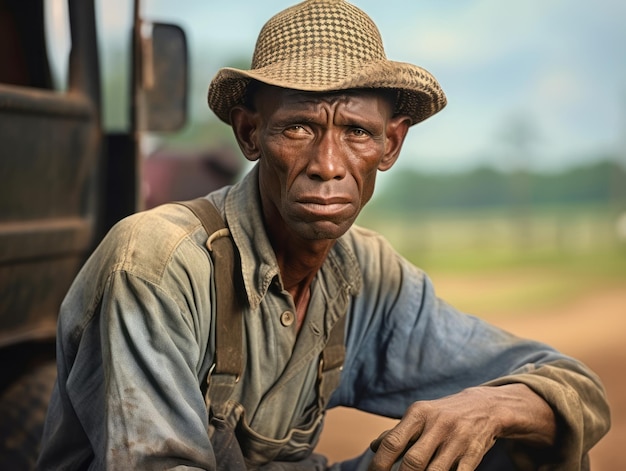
[426, 458]
[392, 444]
[472, 457]
[419, 456]
[376, 443]
[450, 455]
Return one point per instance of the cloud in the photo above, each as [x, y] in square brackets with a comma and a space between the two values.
[562, 61]
[471, 32]
[561, 87]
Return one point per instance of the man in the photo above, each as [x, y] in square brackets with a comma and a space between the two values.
[321, 112]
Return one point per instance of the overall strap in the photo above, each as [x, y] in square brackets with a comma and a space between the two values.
[228, 316]
[228, 366]
[331, 362]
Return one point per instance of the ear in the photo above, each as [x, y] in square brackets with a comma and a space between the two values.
[244, 122]
[397, 128]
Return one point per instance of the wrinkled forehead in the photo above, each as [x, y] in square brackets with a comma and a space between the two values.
[258, 90]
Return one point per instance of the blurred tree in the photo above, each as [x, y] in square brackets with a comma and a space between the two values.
[486, 187]
[519, 136]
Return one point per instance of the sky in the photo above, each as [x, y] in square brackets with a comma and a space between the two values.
[554, 70]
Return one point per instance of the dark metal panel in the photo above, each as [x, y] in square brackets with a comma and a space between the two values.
[16, 99]
[31, 294]
[47, 159]
[43, 238]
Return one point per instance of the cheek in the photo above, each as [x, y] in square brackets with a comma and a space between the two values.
[368, 185]
[284, 158]
[279, 174]
[364, 168]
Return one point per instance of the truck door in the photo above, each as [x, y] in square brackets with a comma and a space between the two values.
[63, 182]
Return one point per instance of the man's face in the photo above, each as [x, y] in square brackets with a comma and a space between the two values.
[319, 155]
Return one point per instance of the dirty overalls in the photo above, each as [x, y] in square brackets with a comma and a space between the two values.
[236, 445]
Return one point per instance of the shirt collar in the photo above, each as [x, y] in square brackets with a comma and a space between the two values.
[258, 262]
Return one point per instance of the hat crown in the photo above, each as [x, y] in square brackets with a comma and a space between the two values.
[326, 46]
[318, 28]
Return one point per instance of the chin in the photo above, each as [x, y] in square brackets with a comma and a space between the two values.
[323, 230]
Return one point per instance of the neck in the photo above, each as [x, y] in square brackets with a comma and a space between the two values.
[297, 273]
[299, 265]
[299, 261]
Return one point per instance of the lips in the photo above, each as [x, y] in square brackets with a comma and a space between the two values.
[324, 206]
[321, 200]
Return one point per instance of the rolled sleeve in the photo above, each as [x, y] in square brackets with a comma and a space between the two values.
[580, 405]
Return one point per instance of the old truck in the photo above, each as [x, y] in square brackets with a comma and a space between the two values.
[63, 182]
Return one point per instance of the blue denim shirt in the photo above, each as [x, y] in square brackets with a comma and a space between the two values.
[136, 340]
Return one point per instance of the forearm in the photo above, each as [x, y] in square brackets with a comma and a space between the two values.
[579, 405]
[523, 414]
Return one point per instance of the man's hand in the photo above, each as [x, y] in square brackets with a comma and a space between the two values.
[458, 430]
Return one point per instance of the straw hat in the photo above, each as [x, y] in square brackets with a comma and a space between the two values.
[326, 45]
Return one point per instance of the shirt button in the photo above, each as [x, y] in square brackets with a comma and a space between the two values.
[287, 318]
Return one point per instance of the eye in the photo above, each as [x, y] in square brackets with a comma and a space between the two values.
[295, 130]
[359, 132]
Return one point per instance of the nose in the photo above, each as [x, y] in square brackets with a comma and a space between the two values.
[327, 159]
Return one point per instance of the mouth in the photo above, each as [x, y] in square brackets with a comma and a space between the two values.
[324, 207]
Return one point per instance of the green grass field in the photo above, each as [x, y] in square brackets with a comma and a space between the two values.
[497, 263]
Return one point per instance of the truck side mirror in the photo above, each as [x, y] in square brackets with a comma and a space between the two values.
[161, 92]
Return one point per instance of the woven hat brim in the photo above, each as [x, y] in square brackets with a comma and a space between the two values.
[420, 95]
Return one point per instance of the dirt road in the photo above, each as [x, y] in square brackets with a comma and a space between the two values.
[591, 328]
